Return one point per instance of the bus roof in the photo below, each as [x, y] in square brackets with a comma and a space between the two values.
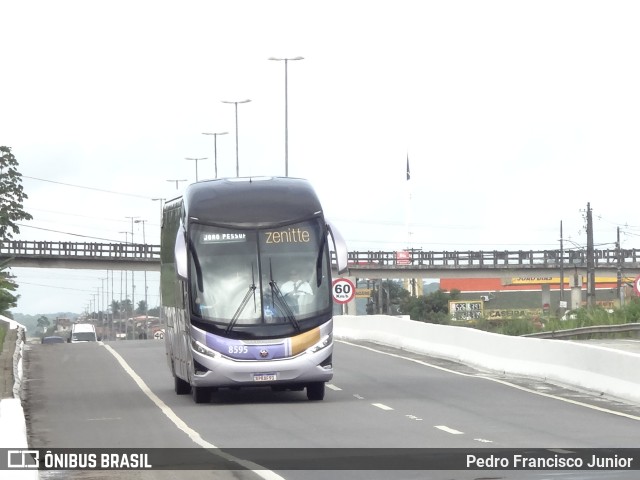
[252, 201]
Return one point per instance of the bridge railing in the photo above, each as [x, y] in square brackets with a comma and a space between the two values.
[80, 249]
[409, 258]
[493, 259]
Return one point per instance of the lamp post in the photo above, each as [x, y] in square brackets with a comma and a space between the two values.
[215, 149]
[561, 267]
[161, 200]
[286, 109]
[196, 160]
[174, 180]
[236, 105]
[146, 304]
[133, 288]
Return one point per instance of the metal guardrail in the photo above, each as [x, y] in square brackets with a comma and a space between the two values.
[599, 329]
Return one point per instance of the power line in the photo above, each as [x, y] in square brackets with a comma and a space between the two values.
[69, 233]
[54, 286]
[87, 188]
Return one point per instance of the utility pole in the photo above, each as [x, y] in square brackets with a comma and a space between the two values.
[591, 268]
[619, 272]
[561, 268]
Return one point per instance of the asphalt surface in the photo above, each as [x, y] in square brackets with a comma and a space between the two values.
[79, 395]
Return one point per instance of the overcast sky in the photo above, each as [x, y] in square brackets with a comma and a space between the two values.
[513, 114]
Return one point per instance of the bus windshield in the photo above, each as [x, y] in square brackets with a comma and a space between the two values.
[260, 277]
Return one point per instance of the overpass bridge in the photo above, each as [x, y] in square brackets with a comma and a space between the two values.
[410, 263]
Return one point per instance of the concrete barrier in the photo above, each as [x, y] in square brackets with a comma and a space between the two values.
[612, 372]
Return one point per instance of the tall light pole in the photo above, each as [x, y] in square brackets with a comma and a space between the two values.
[236, 104]
[286, 109]
[174, 180]
[126, 291]
[196, 160]
[161, 200]
[146, 304]
[215, 149]
[561, 267]
[133, 289]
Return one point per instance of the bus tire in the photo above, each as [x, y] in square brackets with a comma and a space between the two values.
[201, 394]
[315, 391]
[180, 386]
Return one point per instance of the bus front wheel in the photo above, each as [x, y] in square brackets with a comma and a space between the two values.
[315, 391]
[180, 386]
[201, 394]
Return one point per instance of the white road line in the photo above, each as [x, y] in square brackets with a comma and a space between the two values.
[452, 431]
[382, 406]
[497, 380]
[178, 422]
[333, 387]
[413, 417]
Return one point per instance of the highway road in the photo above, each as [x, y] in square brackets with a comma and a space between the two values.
[120, 394]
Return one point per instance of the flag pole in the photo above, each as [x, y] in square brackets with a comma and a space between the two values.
[408, 209]
[412, 287]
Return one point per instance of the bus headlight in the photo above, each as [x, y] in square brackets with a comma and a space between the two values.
[323, 343]
[203, 349]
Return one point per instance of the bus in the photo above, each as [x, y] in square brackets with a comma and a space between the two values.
[229, 248]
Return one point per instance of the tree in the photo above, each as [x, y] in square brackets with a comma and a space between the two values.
[43, 323]
[393, 294]
[7, 286]
[12, 195]
[115, 308]
[432, 308]
[126, 307]
[142, 307]
[11, 198]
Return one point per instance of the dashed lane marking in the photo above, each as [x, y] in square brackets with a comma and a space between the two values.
[450, 430]
[497, 380]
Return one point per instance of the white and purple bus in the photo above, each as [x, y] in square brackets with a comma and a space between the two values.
[229, 248]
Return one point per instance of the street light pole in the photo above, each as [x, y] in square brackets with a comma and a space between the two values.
[174, 180]
[146, 304]
[286, 109]
[161, 200]
[561, 266]
[133, 289]
[236, 105]
[196, 160]
[215, 149]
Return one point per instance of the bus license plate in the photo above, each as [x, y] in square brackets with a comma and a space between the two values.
[264, 377]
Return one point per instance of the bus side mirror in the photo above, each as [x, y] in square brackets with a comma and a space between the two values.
[340, 247]
[180, 252]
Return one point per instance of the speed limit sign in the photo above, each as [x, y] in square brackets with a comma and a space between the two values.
[343, 290]
[636, 285]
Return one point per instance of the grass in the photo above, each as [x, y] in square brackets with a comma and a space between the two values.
[583, 317]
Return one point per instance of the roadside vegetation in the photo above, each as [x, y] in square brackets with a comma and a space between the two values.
[3, 332]
[434, 308]
[12, 196]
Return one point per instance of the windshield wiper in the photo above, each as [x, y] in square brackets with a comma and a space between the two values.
[276, 294]
[319, 259]
[196, 262]
[243, 304]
